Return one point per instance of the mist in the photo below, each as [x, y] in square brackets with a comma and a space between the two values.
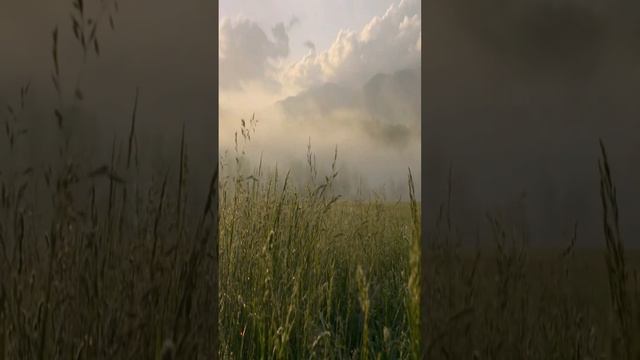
[376, 133]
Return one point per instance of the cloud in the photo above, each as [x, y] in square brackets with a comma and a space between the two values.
[282, 140]
[310, 45]
[319, 102]
[385, 44]
[386, 108]
[361, 94]
[293, 21]
[247, 53]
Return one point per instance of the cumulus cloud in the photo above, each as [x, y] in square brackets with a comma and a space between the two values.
[247, 53]
[385, 44]
[386, 108]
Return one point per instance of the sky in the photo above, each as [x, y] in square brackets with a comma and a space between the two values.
[339, 74]
[317, 21]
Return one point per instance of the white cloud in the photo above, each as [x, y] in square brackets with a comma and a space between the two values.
[385, 44]
[387, 107]
[247, 53]
[361, 93]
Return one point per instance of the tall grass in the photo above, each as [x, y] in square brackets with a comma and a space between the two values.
[306, 274]
[510, 300]
[97, 263]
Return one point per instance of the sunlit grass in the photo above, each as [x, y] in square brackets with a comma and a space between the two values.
[304, 274]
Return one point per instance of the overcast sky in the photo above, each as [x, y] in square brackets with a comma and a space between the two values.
[343, 73]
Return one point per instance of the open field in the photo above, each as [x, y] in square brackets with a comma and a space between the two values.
[304, 274]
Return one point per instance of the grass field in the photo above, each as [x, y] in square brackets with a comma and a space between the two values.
[96, 264]
[305, 274]
[98, 261]
[512, 301]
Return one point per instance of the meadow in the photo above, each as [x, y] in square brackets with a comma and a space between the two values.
[307, 274]
[107, 258]
[112, 259]
[511, 300]
[98, 264]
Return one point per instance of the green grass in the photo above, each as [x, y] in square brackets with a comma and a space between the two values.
[304, 274]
